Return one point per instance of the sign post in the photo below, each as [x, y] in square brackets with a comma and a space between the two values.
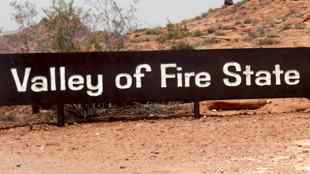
[35, 109]
[60, 115]
[197, 113]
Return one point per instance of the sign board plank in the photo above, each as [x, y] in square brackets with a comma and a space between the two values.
[191, 75]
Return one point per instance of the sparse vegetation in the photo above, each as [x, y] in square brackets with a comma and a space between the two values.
[113, 22]
[66, 24]
[228, 2]
[262, 36]
[204, 15]
[249, 21]
[178, 31]
[273, 35]
[267, 41]
[294, 14]
[182, 46]
[259, 32]
[210, 40]
[197, 33]
[8, 118]
[153, 32]
[298, 26]
[24, 14]
[240, 3]
[287, 27]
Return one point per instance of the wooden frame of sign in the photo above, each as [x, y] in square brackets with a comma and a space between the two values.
[153, 76]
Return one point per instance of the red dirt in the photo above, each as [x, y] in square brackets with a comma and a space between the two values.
[268, 143]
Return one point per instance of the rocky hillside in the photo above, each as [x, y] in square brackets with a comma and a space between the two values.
[250, 23]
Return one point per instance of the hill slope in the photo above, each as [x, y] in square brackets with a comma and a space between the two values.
[250, 23]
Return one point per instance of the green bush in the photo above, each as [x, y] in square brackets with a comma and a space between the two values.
[300, 26]
[204, 15]
[267, 41]
[259, 32]
[248, 21]
[197, 33]
[152, 32]
[182, 46]
[178, 31]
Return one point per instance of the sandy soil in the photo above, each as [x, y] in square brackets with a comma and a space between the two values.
[254, 144]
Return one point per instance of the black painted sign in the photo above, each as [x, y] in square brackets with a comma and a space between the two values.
[59, 78]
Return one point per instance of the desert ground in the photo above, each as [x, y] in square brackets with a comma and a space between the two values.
[273, 139]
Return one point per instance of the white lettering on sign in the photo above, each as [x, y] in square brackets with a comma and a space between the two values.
[75, 82]
[236, 76]
[263, 78]
[94, 89]
[164, 75]
[138, 75]
[171, 75]
[172, 72]
[292, 77]
[39, 84]
[203, 80]
[127, 79]
[21, 86]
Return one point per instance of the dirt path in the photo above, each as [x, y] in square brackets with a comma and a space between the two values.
[240, 144]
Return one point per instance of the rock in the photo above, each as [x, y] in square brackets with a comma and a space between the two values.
[155, 153]
[228, 2]
[237, 105]
[303, 143]
[306, 19]
[52, 144]
[294, 21]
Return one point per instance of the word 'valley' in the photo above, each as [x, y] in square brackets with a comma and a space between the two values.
[57, 81]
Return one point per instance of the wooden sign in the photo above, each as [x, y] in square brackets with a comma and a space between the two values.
[192, 75]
